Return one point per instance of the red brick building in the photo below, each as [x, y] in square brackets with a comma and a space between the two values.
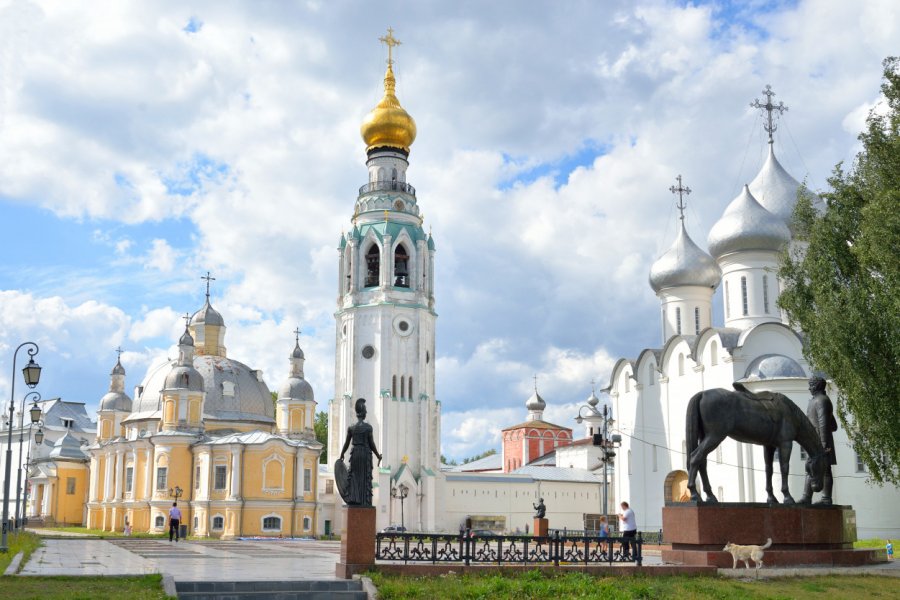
[532, 439]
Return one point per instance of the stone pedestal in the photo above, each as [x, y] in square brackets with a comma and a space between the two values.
[357, 541]
[541, 527]
[801, 535]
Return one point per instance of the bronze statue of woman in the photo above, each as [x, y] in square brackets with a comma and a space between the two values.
[356, 487]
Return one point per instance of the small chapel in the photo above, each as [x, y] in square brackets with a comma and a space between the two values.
[203, 430]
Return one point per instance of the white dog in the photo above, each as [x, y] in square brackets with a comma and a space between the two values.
[746, 553]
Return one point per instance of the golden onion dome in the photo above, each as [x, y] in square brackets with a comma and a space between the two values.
[388, 125]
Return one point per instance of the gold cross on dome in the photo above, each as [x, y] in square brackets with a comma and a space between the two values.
[390, 41]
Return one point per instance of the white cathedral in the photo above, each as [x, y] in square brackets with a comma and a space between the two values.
[385, 352]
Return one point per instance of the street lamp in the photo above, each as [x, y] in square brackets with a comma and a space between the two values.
[35, 412]
[400, 492]
[38, 438]
[32, 375]
[175, 493]
[607, 443]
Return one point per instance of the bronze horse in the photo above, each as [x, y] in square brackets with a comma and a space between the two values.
[769, 419]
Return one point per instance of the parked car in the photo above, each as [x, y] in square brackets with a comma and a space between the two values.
[481, 533]
[394, 529]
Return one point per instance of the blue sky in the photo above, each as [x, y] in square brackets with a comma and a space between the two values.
[143, 145]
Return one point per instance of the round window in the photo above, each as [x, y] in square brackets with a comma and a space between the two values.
[368, 352]
[403, 326]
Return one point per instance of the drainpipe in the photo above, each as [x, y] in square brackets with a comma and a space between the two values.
[209, 484]
[191, 488]
[294, 493]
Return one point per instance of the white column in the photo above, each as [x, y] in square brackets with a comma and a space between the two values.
[387, 262]
[107, 477]
[119, 470]
[148, 480]
[95, 479]
[48, 489]
[235, 473]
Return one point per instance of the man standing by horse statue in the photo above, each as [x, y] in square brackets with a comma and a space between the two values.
[821, 413]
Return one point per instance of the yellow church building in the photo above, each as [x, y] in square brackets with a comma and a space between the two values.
[203, 429]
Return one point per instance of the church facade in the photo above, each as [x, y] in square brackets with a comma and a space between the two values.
[203, 430]
[755, 346]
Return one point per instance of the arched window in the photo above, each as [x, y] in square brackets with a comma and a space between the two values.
[766, 294]
[744, 296]
[696, 320]
[678, 320]
[394, 386]
[218, 522]
[650, 374]
[307, 523]
[271, 523]
[681, 364]
[159, 521]
[410, 389]
[713, 354]
[402, 387]
[373, 266]
[727, 302]
[401, 267]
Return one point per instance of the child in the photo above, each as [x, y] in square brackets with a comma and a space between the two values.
[890, 550]
[604, 528]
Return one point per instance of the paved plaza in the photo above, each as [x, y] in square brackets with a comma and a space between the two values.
[240, 560]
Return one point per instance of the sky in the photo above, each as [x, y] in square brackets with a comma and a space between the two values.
[144, 144]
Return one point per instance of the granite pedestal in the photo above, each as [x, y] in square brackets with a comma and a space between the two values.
[357, 542]
[541, 527]
[801, 535]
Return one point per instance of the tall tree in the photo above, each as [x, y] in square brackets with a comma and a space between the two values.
[842, 286]
[321, 427]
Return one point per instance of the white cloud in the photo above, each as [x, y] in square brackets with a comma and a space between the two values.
[246, 130]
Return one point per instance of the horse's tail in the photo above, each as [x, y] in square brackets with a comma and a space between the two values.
[693, 425]
[768, 543]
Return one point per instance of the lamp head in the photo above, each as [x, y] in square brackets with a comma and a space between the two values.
[35, 411]
[32, 373]
[579, 419]
[39, 436]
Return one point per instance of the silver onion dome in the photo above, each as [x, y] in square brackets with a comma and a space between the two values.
[186, 339]
[774, 366]
[118, 369]
[184, 377]
[777, 191]
[684, 264]
[535, 402]
[207, 316]
[297, 353]
[746, 225]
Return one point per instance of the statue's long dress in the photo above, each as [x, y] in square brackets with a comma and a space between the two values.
[360, 464]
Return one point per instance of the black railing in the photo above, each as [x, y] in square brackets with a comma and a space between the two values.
[387, 186]
[507, 549]
[648, 537]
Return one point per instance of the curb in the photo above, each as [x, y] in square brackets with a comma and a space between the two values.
[13, 567]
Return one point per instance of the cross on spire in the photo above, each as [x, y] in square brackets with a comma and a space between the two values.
[770, 108]
[592, 385]
[187, 319]
[682, 191]
[297, 333]
[208, 278]
[119, 352]
[390, 41]
[535, 382]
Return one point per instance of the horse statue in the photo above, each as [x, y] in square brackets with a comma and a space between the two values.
[769, 419]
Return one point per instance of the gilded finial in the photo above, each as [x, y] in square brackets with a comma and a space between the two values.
[385, 216]
[390, 41]
[682, 191]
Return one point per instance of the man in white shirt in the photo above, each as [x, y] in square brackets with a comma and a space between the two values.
[629, 530]
[174, 521]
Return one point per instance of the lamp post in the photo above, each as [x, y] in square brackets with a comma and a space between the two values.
[400, 492]
[38, 439]
[607, 443]
[32, 375]
[34, 419]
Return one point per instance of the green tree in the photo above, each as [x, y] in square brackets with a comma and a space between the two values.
[843, 289]
[321, 427]
[484, 454]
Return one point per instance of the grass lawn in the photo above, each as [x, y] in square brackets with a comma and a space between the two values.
[148, 587]
[19, 542]
[107, 534]
[578, 585]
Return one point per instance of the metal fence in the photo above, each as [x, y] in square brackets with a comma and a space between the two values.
[467, 548]
[649, 537]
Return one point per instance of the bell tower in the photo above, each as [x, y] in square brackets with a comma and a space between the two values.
[385, 318]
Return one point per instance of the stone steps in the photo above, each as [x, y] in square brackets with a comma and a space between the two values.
[270, 590]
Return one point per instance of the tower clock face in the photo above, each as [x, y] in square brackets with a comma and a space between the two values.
[368, 352]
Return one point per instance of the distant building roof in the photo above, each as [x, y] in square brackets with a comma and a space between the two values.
[536, 424]
[494, 462]
[557, 474]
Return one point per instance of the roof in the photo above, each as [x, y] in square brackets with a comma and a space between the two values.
[56, 409]
[557, 474]
[68, 446]
[494, 462]
[684, 264]
[537, 424]
[258, 437]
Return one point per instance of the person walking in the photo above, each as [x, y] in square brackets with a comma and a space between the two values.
[629, 531]
[174, 521]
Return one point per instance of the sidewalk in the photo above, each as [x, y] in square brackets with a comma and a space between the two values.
[187, 561]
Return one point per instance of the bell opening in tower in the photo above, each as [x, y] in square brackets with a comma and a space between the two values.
[373, 259]
[401, 267]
